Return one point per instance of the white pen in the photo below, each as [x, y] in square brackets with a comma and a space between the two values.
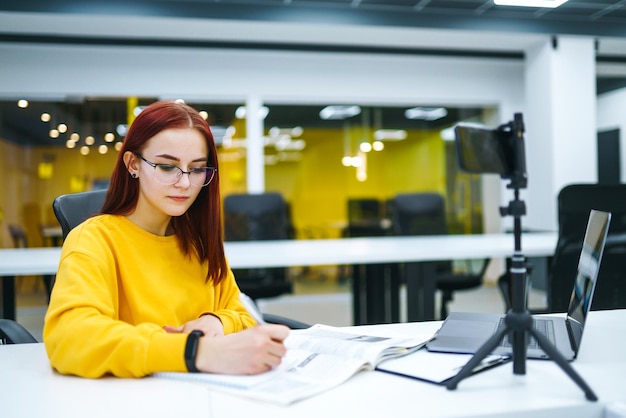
[251, 307]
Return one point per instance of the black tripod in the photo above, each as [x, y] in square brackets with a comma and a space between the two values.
[518, 321]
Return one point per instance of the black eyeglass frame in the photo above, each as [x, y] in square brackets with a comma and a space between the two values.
[207, 170]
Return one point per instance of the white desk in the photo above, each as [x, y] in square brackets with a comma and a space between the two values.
[30, 388]
[374, 251]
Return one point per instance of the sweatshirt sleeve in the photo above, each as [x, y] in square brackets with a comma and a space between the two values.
[83, 334]
[230, 310]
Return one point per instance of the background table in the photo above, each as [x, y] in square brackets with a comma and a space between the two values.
[30, 388]
[371, 291]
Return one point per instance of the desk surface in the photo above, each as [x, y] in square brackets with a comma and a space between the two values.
[290, 253]
[29, 387]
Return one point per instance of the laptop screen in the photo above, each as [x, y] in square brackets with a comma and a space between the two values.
[587, 273]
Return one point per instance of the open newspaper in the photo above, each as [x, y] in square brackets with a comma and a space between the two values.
[318, 358]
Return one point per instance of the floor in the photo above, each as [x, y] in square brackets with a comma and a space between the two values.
[317, 298]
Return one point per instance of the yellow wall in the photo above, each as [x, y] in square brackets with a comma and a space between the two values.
[26, 199]
[318, 186]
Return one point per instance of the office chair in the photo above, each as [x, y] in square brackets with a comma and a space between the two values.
[12, 332]
[258, 217]
[574, 204]
[424, 214]
[72, 209]
[18, 236]
[365, 218]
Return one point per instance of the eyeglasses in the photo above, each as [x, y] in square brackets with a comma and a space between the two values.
[170, 174]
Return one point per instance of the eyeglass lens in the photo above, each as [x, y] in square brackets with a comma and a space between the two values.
[170, 174]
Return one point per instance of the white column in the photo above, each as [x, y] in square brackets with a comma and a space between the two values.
[255, 167]
[560, 122]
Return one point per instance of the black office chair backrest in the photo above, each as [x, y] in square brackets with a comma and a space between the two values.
[252, 217]
[576, 200]
[419, 214]
[364, 209]
[255, 217]
[72, 209]
[13, 333]
[574, 204]
[18, 235]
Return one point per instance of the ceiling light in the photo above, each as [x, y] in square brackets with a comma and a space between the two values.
[22, 103]
[339, 112]
[356, 161]
[390, 134]
[378, 146]
[530, 3]
[447, 134]
[121, 129]
[137, 110]
[425, 113]
[240, 112]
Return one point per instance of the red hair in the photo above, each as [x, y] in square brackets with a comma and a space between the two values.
[198, 230]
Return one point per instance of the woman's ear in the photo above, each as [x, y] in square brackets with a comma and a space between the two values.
[132, 163]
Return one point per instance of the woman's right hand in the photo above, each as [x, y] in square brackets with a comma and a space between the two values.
[254, 350]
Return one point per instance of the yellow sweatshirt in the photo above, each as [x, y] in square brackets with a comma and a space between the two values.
[116, 287]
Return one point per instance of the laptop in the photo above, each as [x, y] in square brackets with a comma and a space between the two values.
[465, 332]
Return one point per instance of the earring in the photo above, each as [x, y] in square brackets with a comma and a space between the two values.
[133, 175]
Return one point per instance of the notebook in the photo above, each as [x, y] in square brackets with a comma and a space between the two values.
[465, 332]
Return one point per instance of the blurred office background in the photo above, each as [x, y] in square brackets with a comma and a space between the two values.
[321, 101]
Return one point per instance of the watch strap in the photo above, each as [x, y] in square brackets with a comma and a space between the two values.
[191, 350]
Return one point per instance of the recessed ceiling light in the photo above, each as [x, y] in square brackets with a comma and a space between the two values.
[390, 134]
[530, 3]
[339, 112]
[425, 113]
[240, 112]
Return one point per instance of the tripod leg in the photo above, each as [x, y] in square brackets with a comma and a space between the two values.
[479, 356]
[556, 356]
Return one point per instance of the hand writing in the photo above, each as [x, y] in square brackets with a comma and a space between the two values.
[251, 351]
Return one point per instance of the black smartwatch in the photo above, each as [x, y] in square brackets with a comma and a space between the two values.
[191, 350]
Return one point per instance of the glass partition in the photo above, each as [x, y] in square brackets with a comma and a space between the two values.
[317, 156]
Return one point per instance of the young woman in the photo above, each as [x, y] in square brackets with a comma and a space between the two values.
[145, 286]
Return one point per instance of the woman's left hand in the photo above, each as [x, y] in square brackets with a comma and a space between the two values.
[209, 324]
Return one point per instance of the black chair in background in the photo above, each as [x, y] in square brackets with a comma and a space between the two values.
[574, 204]
[20, 240]
[425, 214]
[258, 217]
[72, 209]
[12, 332]
[365, 218]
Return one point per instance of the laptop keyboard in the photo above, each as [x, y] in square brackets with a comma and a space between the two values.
[544, 327]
